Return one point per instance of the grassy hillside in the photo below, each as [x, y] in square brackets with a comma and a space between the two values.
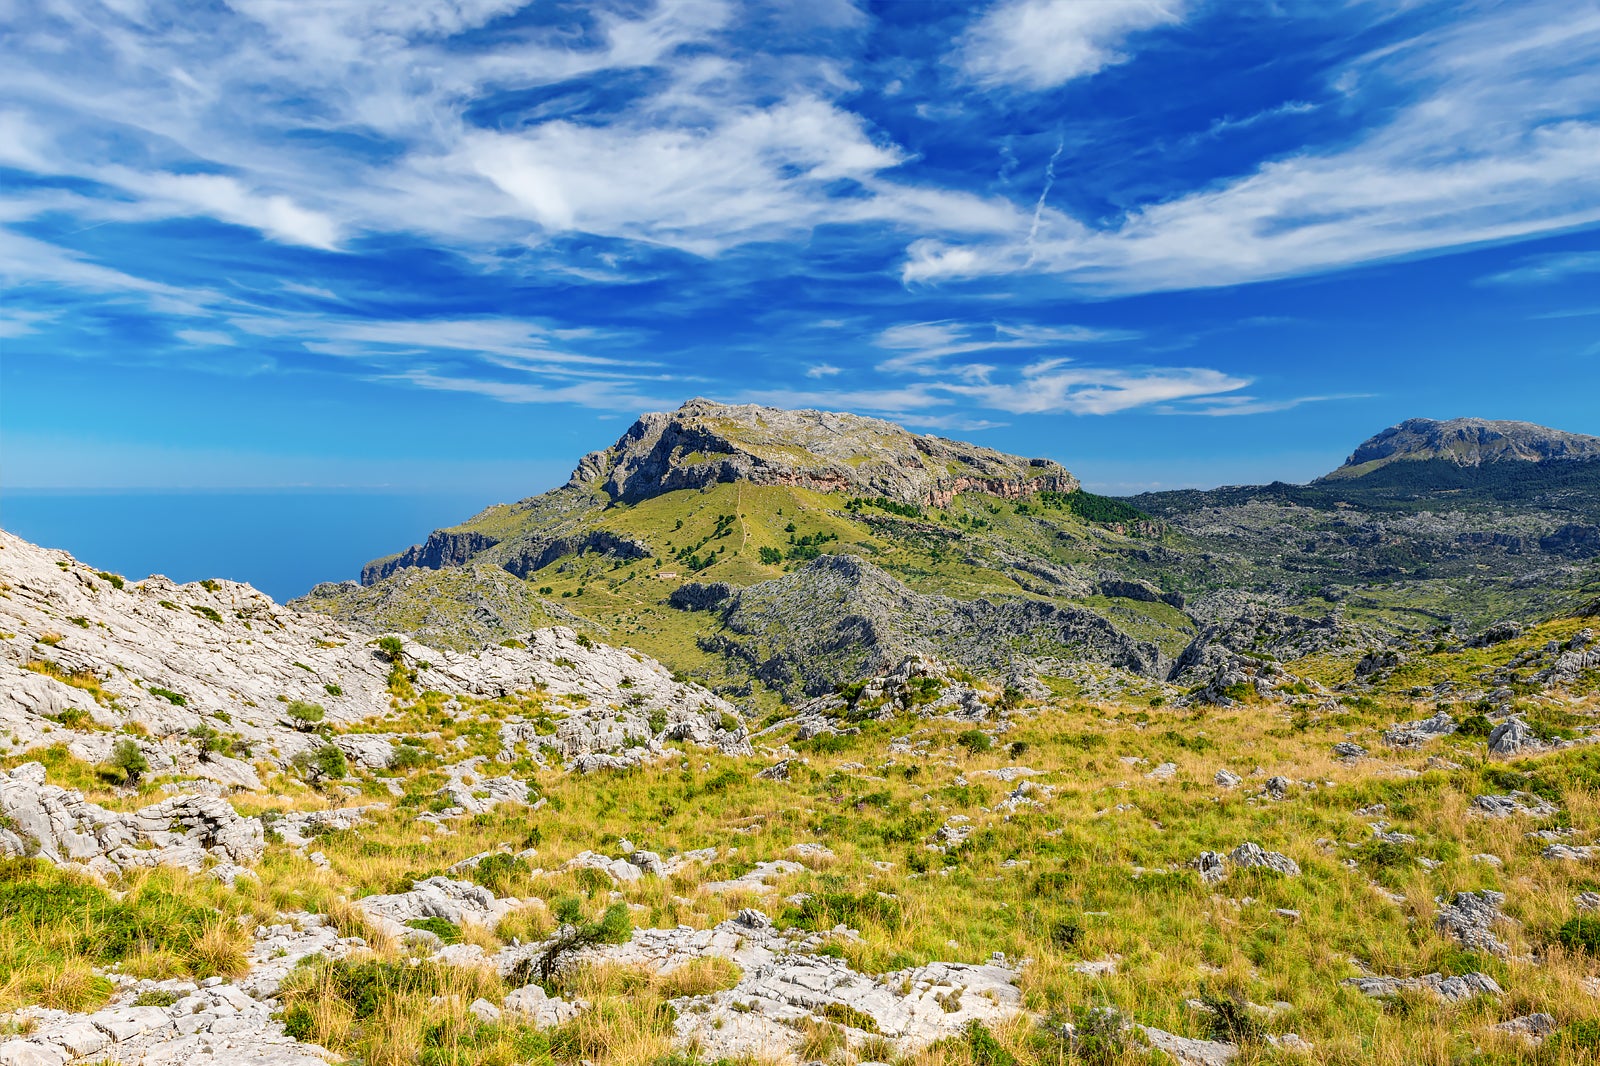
[1042, 548]
[1075, 826]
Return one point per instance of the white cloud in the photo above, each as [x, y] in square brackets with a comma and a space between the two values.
[15, 322]
[1498, 142]
[822, 370]
[1055, 386]
[1544, 269]
[1039, 44]
[925, 345]
[205, 338]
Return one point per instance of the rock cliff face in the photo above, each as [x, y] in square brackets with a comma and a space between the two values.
[1467, 442]
[704, 443]
[444, 547]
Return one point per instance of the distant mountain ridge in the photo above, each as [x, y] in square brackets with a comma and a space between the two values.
[773, 554]
[704, 443]
[1465, 442]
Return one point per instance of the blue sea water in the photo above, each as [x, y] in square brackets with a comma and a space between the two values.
[282, 542]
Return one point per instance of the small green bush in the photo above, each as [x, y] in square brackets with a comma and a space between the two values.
[984, 1048]
[320, 764]
[499, 872]
[975, 741]
[177, 699]
[443, 928]
[1581, 933]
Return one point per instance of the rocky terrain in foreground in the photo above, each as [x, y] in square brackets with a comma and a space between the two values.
[554, 852]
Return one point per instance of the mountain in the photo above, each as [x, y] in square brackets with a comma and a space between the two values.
[1453, 523]
[756, 501]
[1465, 442]
[775, 555]
[704, 443]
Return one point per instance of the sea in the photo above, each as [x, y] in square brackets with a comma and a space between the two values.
[281, 541]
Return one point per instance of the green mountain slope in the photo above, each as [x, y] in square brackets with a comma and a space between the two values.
[778, 554]
[719, 496]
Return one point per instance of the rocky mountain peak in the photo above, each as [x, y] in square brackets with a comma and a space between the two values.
[705, 442]
[1467, 442]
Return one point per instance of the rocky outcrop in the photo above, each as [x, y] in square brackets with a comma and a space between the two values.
[1450, 989]
[782, 986]
[537, 553]
[705, 443]
[457, 902]
[184, 662]
[61, 826]
[205, 1023]
[1469, 918]
[862, 621]
[444, 547]
[1214, 867]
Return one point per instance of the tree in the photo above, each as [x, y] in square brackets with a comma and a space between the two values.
[320, 764]
[127, 761]
[614, 927]
[305, 716]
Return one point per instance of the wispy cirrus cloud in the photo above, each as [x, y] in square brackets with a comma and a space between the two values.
[925, 347]
[1545, 269]
[1497, 141]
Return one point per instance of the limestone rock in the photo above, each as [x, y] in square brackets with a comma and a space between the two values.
[1468, 919]
[1510, 737]
[1531, 1027]
[1249, 855]
[60, 825]
[534, 1007]
[460, 902]
[1515, 803]
[221, 658]
[1449, 989]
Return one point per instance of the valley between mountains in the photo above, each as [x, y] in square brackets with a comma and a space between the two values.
[792, 736]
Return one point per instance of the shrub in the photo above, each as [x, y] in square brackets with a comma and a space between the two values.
[984, 1048]
[333, 690]
[821, 911]
[115, 580]
[305, 716]
[1230, 1020]
[1581, 933]
[391, 649]
[1067, 934]
[975, 741]
[320, 764]
[614, 927]
[443, 928]
[177, 699]
[411, 757]
[127, 762]
[771, 556]
[499, 872]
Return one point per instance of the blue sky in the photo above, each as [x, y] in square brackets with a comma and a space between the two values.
[454, 245]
